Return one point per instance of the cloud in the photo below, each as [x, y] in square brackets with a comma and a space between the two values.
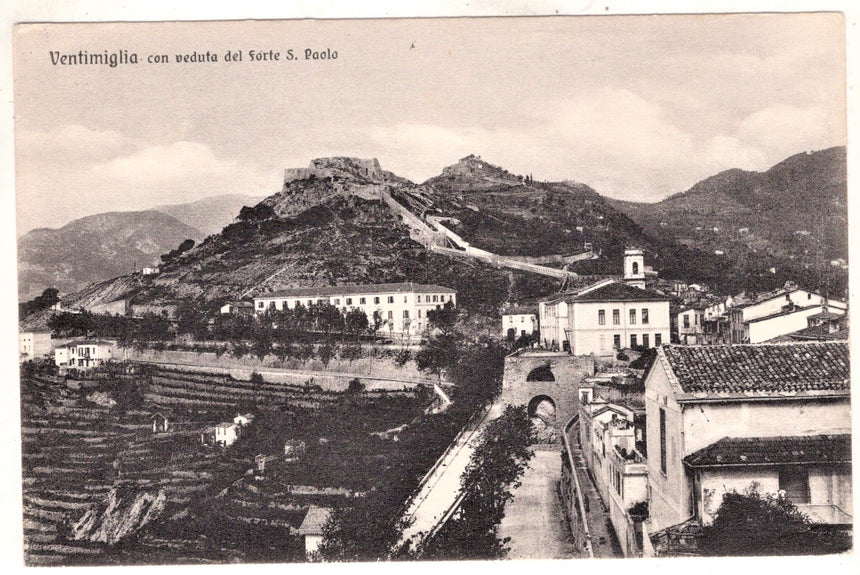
[166, 163]
[789, 129]
[71, 143]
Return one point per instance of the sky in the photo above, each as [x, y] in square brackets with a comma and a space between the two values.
[637, 107]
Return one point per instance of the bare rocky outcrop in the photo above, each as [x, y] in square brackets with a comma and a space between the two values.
[119, 516]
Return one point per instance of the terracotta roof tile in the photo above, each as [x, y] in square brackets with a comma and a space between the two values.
[731, 451]
[788, 367]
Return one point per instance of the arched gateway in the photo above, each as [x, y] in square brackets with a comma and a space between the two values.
[532, 377]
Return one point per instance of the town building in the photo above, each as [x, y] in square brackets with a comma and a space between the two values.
[689, 324]
[605, 317]
[774, 417]
[160, 421]
[34, 345]
[238, 308]
[312, 528]
[83, 354]
[608, 439]
[777, 313]
[401, 307]
[518, 321]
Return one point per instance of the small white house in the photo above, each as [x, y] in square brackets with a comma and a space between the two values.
[226, 434]
[84, 354]
[312, 528]
[153, 271]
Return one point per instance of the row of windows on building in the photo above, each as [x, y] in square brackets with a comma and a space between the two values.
[616, 317]
[376, 300]
[634, 340]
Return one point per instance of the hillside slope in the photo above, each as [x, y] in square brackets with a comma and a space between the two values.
[94, 248]
[797, 209]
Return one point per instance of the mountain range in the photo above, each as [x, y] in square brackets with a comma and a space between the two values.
[102, 246]
[347, 221]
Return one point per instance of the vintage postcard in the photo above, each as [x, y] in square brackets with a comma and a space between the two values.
[546, 287]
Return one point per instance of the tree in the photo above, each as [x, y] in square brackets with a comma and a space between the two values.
[753, 524]
[497, 464]
[443, 318]
[355, 322]
[49, 297]
[173, 254]
[439, 355]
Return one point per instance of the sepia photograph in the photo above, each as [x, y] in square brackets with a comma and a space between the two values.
[325, 290]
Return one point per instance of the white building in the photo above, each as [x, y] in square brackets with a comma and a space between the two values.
[227, 433]
[778, 313]
[726, 418]
[83, 354]
[518, 321]
[603, 318]
[690, 325]
[402, 307]
[34, 345]
[312, 528]
[608, 441]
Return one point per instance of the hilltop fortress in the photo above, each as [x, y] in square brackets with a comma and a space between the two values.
[326, 168]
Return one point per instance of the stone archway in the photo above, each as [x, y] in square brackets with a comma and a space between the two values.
[542, 373]
[531, 373]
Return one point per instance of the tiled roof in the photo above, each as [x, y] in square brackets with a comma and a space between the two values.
[520, 310]
[314, 521]
[820, 333]
[619, 292]
[758, 368]
[358, 289]
[790, 311]
[730, 451]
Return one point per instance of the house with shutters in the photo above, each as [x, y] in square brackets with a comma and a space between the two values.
[770, 417]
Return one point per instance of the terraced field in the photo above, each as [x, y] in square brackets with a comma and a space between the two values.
[101, 488]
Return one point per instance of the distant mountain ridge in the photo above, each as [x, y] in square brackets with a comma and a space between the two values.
[209, 215]
[796, 209]
[331, 224]
[94, 248]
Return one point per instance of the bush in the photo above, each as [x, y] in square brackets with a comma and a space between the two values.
[753, 524]
[257, 378]
[355, 386]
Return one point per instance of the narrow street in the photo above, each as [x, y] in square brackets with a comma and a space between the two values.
[534, 520]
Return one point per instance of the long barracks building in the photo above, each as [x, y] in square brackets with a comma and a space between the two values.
[402, 307]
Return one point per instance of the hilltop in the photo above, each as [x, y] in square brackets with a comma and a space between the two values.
[347, 221]
[209, 215]
[797, 210]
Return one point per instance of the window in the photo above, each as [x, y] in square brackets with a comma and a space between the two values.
[632, 317]
[616, 317]
[310, 302]
[632, 340]
[419, 313]
[271, 305]
[663, 440]
[390, 314]
[616, 341]
[658, 339]
[435, 299]
[635, 268]
[601, 317]
[406, 314]
[602, 342]
[261, 305]
[686, 321]
[391, 299]
[794, 481]
[644, 315]
[337, 301]
[405, 299]
[419, 299]
[362, 301]
[376, 299]
[349, 301]
[645, 340]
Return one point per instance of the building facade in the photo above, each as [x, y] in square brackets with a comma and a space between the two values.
[737, 418]
[519, 321]
[83, 354]
[402, 307]
[34, 345]
[604, 318]
[771, 309]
